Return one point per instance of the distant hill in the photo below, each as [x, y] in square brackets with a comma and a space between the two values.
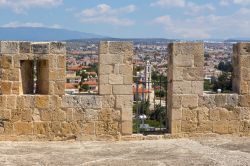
[43, 34]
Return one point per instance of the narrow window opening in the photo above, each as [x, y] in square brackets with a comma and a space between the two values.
[35, 76]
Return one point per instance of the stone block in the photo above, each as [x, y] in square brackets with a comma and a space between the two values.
[8, 128]
[89, 128]
[127, 115]
[193, 74]
[233, 126]
[232, 100]
[175, 126]
[221, 100]
[197, 87]
[189, 115]
[42, 101]
[244, 113]
[41, 128]
[11, 102]
[108, 101]
[127, 80]
[115, 79]
[244, 100]
[79, 114]
[120, 47]
[188, 126]
[25, 102]
[224, 114]
[24, 115]
[105, 69]
[16, 88]
[207, 101]
[126, 69]
[176, 101]
[23, 128]
[61, 62]
[176, 114]
[214, 114]
[91, 115]
[40, 48]
[124, 101]
[3, 102]
[203, 114]
[25, 47]
[127, 127]
[190, 101]
[220, 127]
[56, 128]
[6, 62]
[58, 48]
[122, 90]
[234, 114]
[103, 47]
[55, 102]
[5, 114]
[58, 115]
[59, 88]
[103, 79]
[9, 47]
[182, 87]
[205, 126]
[46, 115]
[178, 74]
[6, 87]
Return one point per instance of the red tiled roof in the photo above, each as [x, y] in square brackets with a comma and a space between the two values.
[71, 85]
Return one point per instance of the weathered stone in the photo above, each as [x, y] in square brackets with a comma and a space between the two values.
[23, 128]
[214, 114]
[115, 79]
[42, 128]
[233, 126]
[105, 89]
[182, 87]
[175, 126]
[188, 126]
[176, 101]
[205, 126]
[11, 102]
[42, 102]
[124, 101]
[9, 47]
[127, 127]
[25, 47]
[122, 89]
[189, 115]
[193, 74]
[220, 100]
[57, 48]
[176, 114]
[203, 114]
[40, 48]
[190, 101]
[220, 127]
[6, 88]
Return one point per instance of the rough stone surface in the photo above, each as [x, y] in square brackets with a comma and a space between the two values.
[212, 151]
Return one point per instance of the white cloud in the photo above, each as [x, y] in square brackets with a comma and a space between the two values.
[190, 6]
[169, 3]
[104, 13]
[239, 2]
[20, 6]
[16, 24]
[211, 26]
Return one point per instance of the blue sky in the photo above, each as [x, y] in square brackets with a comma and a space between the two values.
[182, 19]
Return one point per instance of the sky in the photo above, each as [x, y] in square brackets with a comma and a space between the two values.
[175, 19]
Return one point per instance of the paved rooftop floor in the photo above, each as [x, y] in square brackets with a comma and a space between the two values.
[219, 150]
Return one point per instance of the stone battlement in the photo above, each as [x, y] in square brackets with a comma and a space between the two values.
[192, 111]
[33, 103]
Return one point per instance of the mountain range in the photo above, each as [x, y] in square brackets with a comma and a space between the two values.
[43, 34]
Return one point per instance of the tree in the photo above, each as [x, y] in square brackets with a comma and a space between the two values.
[84, 87]
[224, 82]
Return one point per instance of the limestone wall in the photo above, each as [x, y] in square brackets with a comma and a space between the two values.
[43, 111]
[191, 111]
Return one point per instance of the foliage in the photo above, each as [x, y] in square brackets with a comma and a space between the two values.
[208, 86]
[225, 66]
[224, 82]
[160, 93]
[84, 87]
